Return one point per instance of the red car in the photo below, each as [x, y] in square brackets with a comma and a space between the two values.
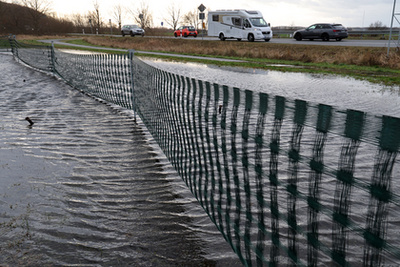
[185, 31]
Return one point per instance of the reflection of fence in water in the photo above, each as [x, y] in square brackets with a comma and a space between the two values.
[284, 181]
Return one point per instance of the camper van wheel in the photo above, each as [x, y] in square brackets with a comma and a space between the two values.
[250, 38]
[239, 39]
[221, 37]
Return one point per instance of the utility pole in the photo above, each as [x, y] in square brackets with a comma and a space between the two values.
[394, 17]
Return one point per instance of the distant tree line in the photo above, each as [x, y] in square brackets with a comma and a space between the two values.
[377, 25]
[31, 18]
[35, 17]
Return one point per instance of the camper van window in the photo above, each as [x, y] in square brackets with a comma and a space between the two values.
[237, 21]
[258, 22]
[215, 17]
[246, 24]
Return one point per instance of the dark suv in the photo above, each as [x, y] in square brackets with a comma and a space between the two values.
[322, 31]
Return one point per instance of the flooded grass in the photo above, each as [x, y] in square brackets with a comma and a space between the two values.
[369, 63]
[359, 56]
[365, 63]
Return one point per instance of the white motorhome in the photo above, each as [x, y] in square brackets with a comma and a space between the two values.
[238, 24]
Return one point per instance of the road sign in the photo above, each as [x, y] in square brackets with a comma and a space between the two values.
[202, 8]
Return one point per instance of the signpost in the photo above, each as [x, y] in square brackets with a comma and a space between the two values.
[202, 16]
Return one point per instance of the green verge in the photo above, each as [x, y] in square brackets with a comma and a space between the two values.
[381, 75]
[69, 47]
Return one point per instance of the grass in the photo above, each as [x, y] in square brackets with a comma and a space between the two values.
[366, 63]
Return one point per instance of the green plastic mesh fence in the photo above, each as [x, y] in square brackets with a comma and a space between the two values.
[37, 56]
[105, 76]
[286, 182]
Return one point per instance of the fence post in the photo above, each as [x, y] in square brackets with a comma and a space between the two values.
[12, 42]
[131, 54]
[53, 58]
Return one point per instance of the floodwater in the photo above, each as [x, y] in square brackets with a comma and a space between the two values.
[341, 92]
[86, 185]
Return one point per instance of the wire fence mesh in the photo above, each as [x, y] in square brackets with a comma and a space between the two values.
[286, 182]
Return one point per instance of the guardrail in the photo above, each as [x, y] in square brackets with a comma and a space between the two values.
[285, 181]
[352, 33]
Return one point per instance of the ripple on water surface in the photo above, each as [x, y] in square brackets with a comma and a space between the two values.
[85, 186]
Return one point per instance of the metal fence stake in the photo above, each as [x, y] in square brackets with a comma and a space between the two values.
[131, 55]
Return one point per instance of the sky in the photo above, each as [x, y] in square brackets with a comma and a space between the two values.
[350, 13]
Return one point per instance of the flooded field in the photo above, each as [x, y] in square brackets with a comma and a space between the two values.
[86, 186]
[342, 92]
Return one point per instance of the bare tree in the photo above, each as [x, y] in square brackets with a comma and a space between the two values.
[2, 12]
[143, 16]
[174, 16]
[192, 18]
[117, 14]
[96, 17]
[2, 9]
[37, 10]
[377, 25]
[80, 21]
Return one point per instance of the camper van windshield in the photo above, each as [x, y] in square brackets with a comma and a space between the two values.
[259, 22]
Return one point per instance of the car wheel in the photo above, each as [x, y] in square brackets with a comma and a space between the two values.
[298, 37]
[325, 37]
[175, 35]
[338, 39]
[195, 35]
[132, 34]
[239, 39]
[250, 38]
[222, 37]
[267, 40]
[185, 35]
[123, 34]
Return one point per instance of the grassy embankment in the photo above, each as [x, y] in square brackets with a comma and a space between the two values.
[367, 63]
